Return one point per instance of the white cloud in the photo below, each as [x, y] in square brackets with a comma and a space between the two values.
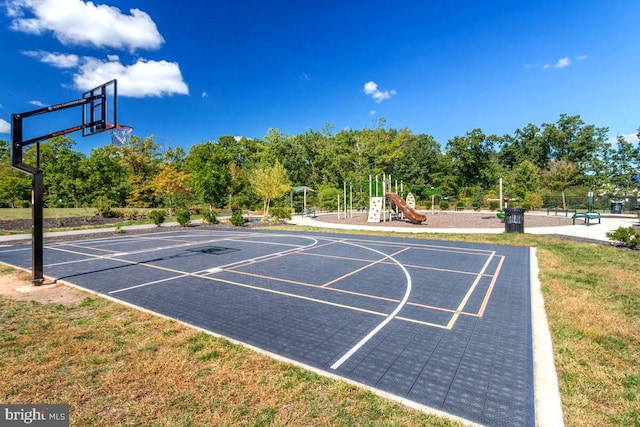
[371, 88]
[38, 103]
[306, 77]
[581, 57]
[205, 95]
[143, 79]
[563, 62]
[372, 112]
[5, 126]
[75, 22]
[632, 137]
[58, 60]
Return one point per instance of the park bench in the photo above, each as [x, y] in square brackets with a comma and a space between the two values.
[309, 212]
[461, 208]
[586, 216]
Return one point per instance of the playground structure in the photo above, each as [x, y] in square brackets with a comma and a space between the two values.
[384, 204]
[99, 114]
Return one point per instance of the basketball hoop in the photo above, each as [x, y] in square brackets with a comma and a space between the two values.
[120, 135]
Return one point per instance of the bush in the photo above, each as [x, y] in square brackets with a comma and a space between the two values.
[328, 199]
[103, 209]
[157, 217]
[444, 205]
[183, 217]
[236, 217]
[279, 213]
[628, 236]
[209, 216]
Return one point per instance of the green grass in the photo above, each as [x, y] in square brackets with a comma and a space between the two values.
[118, 366]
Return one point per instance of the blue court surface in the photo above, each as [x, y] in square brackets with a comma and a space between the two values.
[443, 325]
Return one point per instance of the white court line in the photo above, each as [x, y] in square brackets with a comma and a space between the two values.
[212, 270]
[389, 318]
[151, 283]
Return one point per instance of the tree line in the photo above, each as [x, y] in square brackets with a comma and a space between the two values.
[536, 164]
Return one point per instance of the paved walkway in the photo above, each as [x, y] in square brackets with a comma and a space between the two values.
[596, 232]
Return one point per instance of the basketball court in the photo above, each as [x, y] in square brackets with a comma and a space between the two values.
[443, 326]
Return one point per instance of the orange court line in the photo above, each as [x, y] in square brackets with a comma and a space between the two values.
[421, 267]
[485, 301]
[298, 252]
[364, 267]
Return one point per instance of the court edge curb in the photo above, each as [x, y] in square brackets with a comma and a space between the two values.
[548, 403]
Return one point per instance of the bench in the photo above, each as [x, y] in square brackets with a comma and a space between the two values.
[586, 216]
[461, 208]
[310, 212]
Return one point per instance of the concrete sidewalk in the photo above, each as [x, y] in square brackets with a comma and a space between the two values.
[595, 232]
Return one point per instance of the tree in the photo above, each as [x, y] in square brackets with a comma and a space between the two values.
[560, 175]
[62, 177]
[15, 185]
[105, 176]
[269, 183]
[141, 160]
[570, 139]
[173, 186]
[472, 159]
[208, 166]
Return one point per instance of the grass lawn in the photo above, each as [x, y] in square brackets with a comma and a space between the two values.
[118, 366]
[25, 213]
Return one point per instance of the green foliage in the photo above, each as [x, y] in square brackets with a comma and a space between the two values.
[183, 216]
[493, 205]
[209, 216]
[328, 198]
[532, 201]
[103, 209]
[626, 236]
[269, 182]
[157, 217]
[236, 218]
[444, 205]
[280, 213]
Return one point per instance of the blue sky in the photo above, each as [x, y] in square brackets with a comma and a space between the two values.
[190, 72]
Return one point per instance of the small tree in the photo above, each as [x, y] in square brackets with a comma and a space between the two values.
[269, 183]
[183, 217]
[157, 217]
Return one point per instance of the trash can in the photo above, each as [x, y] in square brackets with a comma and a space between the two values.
[514, 220]
[616, 207]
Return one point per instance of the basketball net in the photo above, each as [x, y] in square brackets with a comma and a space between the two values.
[120, 135]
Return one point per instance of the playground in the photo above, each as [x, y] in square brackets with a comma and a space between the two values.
[440, 325]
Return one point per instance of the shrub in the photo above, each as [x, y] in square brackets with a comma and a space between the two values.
[236, 217]
[494, 205]
[103, 209]
[628, 236]
[328, 198]
[280, 213]
[157, 217]
[209, 216]
[183, 217]
[444, 205]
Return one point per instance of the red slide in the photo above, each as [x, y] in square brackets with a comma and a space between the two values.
[409, 213]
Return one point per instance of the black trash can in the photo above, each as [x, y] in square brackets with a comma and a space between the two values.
[616, 207]
[514, 220]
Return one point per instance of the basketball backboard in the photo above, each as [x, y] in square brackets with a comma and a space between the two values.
[100, 111]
